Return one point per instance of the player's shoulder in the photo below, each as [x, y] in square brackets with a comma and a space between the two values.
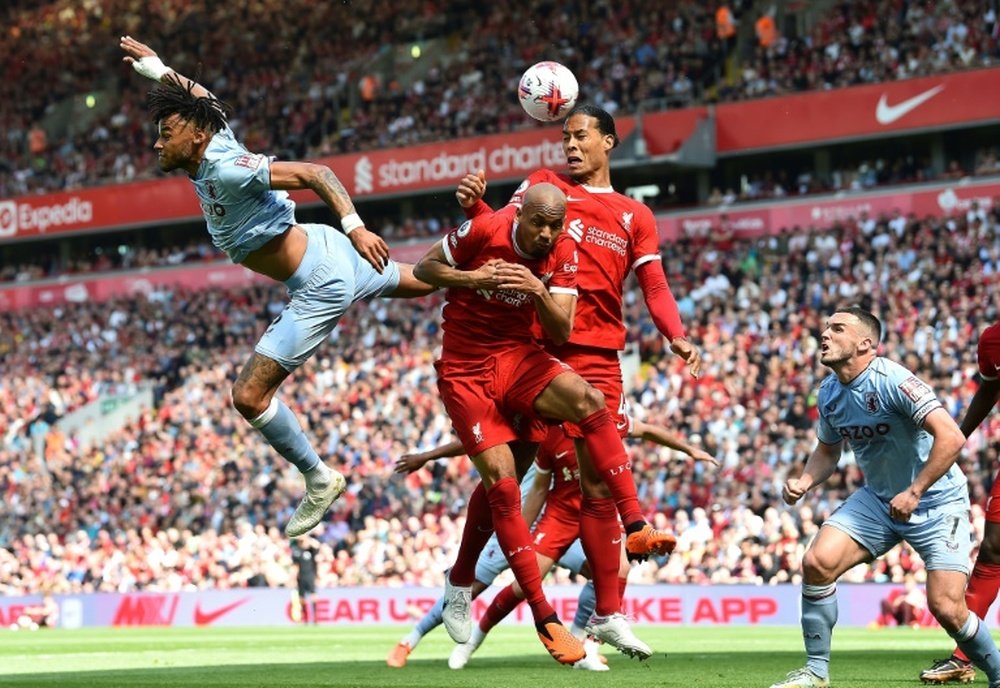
[493, 222]
[884, 370]
[990, 337]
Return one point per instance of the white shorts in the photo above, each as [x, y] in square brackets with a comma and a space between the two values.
[329, 279]
[492, 563]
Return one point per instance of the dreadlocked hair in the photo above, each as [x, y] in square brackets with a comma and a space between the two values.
[174, 97]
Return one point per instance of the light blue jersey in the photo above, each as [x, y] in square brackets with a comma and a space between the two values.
[881, 414]
[234, 189]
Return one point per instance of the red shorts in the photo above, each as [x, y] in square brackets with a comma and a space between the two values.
[558, 527]
[491, 400]
[993, 503]
[599, 367]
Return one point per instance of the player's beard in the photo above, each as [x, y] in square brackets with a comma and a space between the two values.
[831, 357]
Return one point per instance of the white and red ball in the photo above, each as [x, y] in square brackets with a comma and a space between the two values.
[547, 91]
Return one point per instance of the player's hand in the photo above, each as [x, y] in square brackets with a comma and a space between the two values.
[704, 457]
[517, 277]
[409, 463]
[689, 352]
[487, 275]
[471, 189]
[793, 491]
[371, 247]
[134, 50]
[903, 505]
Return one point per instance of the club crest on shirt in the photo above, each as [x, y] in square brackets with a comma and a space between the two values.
[627, 221]
[871, 402]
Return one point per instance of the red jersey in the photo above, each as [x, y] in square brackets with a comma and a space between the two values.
[477, 322]
[988, 352]
[557, 455]
[616, 234]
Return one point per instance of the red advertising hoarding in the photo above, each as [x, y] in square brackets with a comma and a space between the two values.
[860, 111]
[823, 211]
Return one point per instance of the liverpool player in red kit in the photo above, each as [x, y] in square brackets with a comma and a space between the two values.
[614, 235]
[502, 271]
[985, 580]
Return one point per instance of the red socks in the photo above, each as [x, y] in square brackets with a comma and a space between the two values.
[607, 453]
[601, 537]
[984, 584]
[478, 529]
[515, 540]
[503, 604]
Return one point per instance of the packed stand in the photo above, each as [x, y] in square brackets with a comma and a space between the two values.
[303, 95]
[190, 497]
[872, 41]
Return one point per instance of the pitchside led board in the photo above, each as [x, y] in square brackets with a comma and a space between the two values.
[730, 605]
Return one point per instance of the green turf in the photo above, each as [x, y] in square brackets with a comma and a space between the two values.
[728, 657]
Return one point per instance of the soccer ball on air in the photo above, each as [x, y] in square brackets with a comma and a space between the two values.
[547, 91]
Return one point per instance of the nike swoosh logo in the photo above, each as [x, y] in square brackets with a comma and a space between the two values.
[572, 199]
[618, 541]
[621, 426]
[562, 454]
[887, 114]
[205, 618]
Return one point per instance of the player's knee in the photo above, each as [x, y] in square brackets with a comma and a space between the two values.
[816, 570]
[591, 401]
[594, 489]
[247, 401]
[949, 610]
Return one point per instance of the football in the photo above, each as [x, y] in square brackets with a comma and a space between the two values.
[547, 91]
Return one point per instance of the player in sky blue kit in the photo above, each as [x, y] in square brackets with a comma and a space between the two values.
[906, 445]
[244, 199]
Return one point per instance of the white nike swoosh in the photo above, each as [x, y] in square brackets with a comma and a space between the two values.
[562, 454]
[617, 542]
[571, 199]
[887, 114]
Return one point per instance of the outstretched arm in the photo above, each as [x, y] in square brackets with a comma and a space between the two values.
[293, 176]
[412, 462]
[145, 61]
[663, 310]
[660, 435]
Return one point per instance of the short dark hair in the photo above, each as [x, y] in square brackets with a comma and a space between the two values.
[605, 122]
[868, 319]
[173, 97]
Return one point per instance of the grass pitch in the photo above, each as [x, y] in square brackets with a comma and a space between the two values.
[727, 657]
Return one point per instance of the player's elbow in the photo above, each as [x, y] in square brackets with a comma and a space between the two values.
[422, 271]
[560, 334]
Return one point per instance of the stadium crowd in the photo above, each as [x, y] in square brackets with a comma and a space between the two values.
[299, 94]
[187, 496]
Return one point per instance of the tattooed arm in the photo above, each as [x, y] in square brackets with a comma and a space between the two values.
[292, 176]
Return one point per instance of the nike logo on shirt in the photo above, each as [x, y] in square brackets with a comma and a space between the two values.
[887, 114]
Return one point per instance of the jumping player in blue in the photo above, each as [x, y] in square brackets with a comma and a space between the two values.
[244, 199]
[906, 445]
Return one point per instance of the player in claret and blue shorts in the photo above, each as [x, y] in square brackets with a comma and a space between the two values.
[985, 580]
[244, 199]
[906, 445]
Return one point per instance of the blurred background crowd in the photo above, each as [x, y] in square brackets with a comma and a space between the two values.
[188, 496]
